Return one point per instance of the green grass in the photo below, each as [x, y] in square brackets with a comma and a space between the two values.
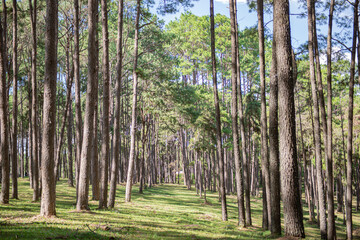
[162, 212]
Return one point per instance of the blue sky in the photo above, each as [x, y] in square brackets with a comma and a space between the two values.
[246, 19]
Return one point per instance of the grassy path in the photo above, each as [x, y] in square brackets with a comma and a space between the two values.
[162, 212]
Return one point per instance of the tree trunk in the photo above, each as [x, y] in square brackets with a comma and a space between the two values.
[117, 142]
[348, 202]
[243, 145]
[331, 231]
[78, 120]
[105, 146]
[234, 116]
[4, 131]
[274, 160]
[264, 135]
[320, 182]
[49, 124]
[293, 217]
[91, 98]
[14, 161]
[220, 149]
[134, 103]
[34, 143]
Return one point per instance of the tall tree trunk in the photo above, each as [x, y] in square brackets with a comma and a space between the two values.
[4, 131]
[49, 124]
[274, 160]
[78, 120]
[134, 103]
[94, 168]
[105, 147]
[348, 202]
[264, 135]
[34, 131]
[117, 142]
[243, 146]
[314, 92]
[14, 151]
[91, 98]
[220, 149]
[293, 217]
[234, 116]
[331, 231]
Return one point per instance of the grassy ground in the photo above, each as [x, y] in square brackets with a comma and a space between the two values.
[162, 212]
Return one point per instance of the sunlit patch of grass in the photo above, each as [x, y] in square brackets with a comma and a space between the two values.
[162, 212]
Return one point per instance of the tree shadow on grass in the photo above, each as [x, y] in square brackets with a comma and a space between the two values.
[42, 231]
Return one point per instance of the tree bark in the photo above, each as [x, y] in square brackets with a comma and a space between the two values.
[48, 197]
[244, 143]
[4, 131]
[219, 147]
[91, 98]
[274, 160]
[134, 103]
[78, 119]
[117, 139]
[14, 151]
[34, 131]
[105, 146]
[264, 134]
[234, 117]
[293, 217]
[331, 231]
[348, 202]
[314, 92]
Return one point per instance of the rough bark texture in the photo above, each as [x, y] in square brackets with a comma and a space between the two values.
[234, 115]
[134, 103]
[274, 160]
[78, 120]
[105, 146]
[314, 92]
[116, 140]
[34, 131]
[241, 127]
[293, 217]
[220, 149]
[331, 231]
[91, 98]
[94, 168]
[264, 134]
[243, 145]
[348, 202]
[4, 146]
[49, 121]
[14, 160]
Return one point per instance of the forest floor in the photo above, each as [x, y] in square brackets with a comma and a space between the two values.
[162, 212]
